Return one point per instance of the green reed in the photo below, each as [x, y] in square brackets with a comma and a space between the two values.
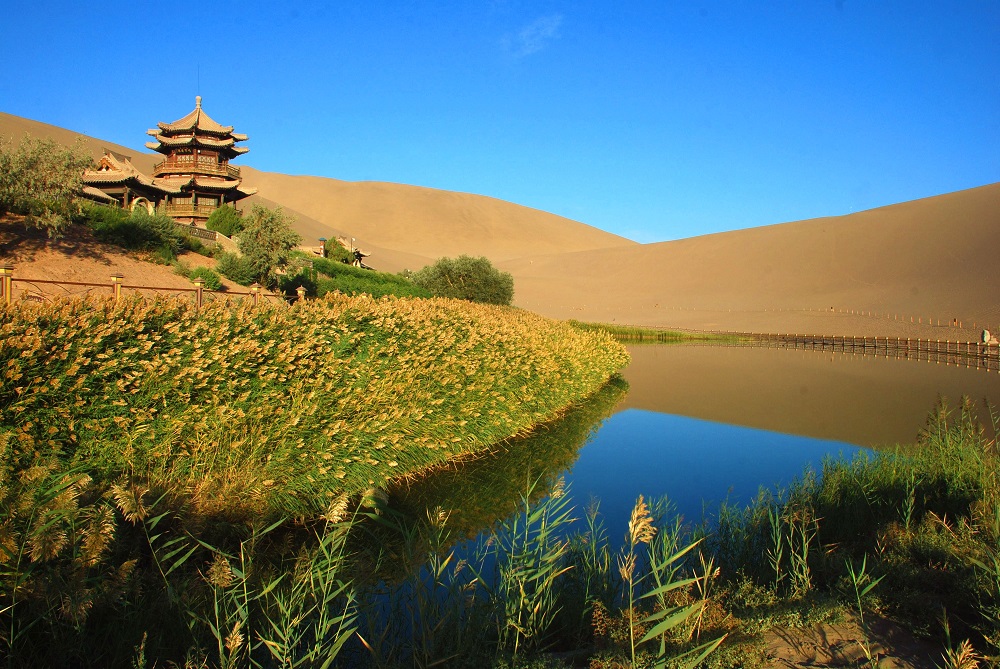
[637, 334]
[925, 517]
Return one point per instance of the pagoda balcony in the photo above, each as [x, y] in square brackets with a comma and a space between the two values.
[182, 210]
[209, 167]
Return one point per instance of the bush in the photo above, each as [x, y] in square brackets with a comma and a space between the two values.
[42, 180]
[289, 284]
[225, 220]
[211, 278]
[467, 278]
[194, 244]
[137, 230]
[355, 280]
[235, 268]
[338, 252]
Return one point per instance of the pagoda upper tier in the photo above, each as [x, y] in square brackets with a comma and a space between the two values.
[197, 130]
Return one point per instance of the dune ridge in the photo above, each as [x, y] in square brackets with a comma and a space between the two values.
[931, 260]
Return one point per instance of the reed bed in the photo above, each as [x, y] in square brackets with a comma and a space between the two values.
[243, 412]
[912, 534]
[638, 335]
[159, 464]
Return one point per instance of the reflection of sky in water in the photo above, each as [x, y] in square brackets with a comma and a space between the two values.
[693, 462]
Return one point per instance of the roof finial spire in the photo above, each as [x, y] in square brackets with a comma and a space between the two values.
[197, 102]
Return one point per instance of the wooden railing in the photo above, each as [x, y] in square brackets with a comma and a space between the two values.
[117, 288]
[176, 209]
[201, 233]
[974, 355]
[196, 167]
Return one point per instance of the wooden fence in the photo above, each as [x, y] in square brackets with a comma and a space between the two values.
[117, 287]
[974, 355]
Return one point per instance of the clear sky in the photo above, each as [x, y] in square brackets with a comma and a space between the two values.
[653, 120]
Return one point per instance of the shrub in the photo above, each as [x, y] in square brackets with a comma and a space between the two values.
[42, 180]
[467, 278]
[194, 244]
[236, 268]
[336, 251]
[226, 220]
[211, 278]
[137, 230]
[289, 284]
[266, 242]
[355, 280]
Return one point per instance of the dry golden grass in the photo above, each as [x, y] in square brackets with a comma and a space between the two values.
[241, 410]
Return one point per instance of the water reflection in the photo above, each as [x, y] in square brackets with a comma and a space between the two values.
[480, 492]
[702, 425]
[697, 464]
[857, 399]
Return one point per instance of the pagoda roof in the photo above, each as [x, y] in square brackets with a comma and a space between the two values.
[98, 194]
[206, 183]
[198, 120]
[194, 140]
[113, 170]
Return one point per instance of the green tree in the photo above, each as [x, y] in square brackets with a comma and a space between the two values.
[225, 219]
[467, 278]
[266, 242]
[42, 180]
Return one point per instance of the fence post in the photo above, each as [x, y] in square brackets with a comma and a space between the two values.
[116, 284]
[7, 284]
[255, 291]
[199, 291]
[301, 292]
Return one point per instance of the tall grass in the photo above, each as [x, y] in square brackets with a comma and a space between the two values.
[153, 458]
[637, 334]
[537, 583]
[921, 521]
[240, 412]
[262, 597]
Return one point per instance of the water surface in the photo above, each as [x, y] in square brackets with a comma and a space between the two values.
[706, 424]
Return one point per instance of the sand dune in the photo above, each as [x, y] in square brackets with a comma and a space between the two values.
[934, 259]
[868, 273]
[426, 222]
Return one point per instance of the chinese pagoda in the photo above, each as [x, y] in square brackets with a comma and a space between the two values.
[194, 179]
[196, 170]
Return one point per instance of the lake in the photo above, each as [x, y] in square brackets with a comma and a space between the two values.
[702, 424]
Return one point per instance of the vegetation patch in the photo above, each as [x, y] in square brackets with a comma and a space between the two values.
[140, 231]
[467, 278]
[333, 275]
[273, 411]
[636, 334]
[42, 180]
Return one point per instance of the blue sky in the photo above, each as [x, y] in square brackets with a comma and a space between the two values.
[653, 120]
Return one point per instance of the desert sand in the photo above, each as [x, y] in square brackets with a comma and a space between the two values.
[927, 268]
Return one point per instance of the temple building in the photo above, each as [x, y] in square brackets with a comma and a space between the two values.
[193, 180]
